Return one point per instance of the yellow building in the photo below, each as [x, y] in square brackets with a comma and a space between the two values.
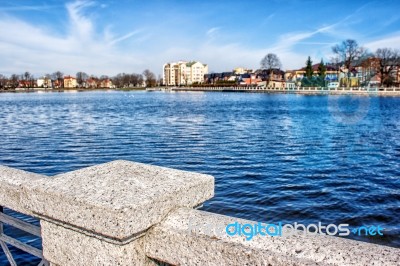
[241, 70]
[70, 82]
[354, 82]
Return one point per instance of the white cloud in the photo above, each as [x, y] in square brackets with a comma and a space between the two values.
[392, 41]
[27, 8]
[84, 49]
[80, 26]
[81, 46]
[126, 36]
[26, 47]
[212, 31]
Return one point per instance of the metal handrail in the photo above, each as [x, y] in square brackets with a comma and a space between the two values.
[24, 226]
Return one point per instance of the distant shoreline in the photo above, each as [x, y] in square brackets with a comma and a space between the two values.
[394, 92]
[30, 90]
[302, 91]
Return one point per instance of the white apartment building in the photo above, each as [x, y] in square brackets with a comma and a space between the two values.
[44, 82]
[184, 73]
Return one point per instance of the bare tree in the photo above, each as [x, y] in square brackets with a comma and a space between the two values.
[150, 78]
[126, 80]
[136, 79]
[32, 81]
[369, 67]
[270, 62]
[3, 82]
[27, 75]
[94, 81]
[349, 52]
[81, 78]
[59, 77]
[117, 81]
[140, 80]
[14, 81]
[389, 61]
[47, 80]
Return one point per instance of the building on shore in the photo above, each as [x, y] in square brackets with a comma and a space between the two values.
[220, 78]
[184, 73]
[272, 78]
[246, 77]
[106, 83]
[365, 74]
[249, 79]
[242, 70]
[44, 82]
[332, 73]
[70, 82]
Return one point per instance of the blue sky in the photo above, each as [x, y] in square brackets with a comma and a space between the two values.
[109, 37]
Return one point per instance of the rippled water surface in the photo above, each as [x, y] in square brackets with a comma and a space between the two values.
[275, 157]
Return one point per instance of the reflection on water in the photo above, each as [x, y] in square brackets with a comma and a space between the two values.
[286, 158]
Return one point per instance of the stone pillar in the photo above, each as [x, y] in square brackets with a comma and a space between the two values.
[99, 215]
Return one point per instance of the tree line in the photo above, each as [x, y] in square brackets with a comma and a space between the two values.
[383, 63]
[56, 79]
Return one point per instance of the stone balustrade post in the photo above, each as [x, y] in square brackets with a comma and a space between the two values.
[99, 215]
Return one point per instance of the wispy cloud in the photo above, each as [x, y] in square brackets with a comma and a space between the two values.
[270, 16]
[391, 41]
[86, 36]
[28, 7]
[288, 40]
[317, 43]
[391, 20]
[124, 37]
[80, 25]
[212, 32]
[27, 47]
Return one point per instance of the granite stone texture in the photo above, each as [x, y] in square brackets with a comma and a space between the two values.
[66, 247]
[14, 187]
[117, 200]
[192, 237]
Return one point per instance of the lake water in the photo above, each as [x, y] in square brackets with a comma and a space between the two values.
[276, 157]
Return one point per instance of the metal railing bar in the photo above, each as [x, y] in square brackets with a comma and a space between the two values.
[24, 226]
[22, 246]
[1, 224]
[44, 263]
[8, 253]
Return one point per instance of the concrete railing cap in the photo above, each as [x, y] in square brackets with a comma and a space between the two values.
[14, 187]
[117, 200]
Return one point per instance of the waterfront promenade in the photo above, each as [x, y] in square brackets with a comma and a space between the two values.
[300, 90]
